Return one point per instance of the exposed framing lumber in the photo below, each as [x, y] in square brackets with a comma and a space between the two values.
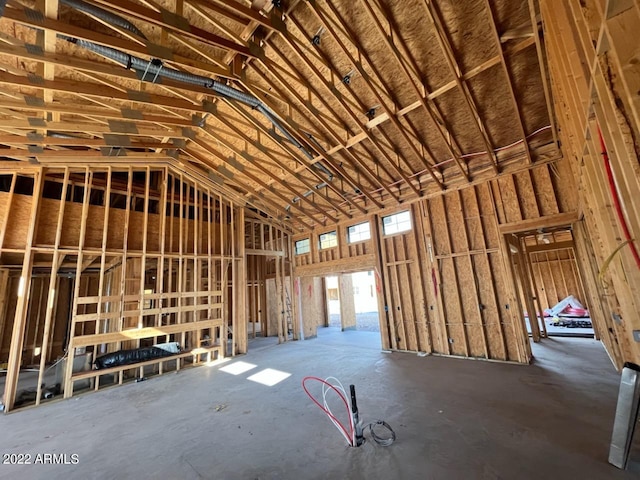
[507, 75]
[449, 55]
[321, 16]
[19, 322]
[540, 50]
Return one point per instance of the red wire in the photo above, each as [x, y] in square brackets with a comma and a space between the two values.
[349, 434]
[616, 200]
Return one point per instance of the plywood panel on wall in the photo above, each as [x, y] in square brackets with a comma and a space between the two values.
[446, 286]
[313, 309]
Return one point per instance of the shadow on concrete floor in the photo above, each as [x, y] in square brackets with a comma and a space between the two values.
[454, 419]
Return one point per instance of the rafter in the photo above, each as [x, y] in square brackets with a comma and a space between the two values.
[507, 74]
[543, 69]
[289, 170]
[447, 50]
[256, 163]
[150, 49]
[114, 141]
[332, 133]
[365, 134]
[122, 128]
[239, 167]
[384, 117]
[90, 90]
[307, 163]
[176, 23]
[321, 16]
[428, 105]
[28, 104]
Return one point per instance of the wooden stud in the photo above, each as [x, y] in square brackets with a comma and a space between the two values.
[24, 289]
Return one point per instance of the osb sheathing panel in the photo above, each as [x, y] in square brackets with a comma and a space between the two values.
[18, 221]
[526, 196]
[458, 116]
[466, 26]
[11, 298]
[498, 113]
[544, 189]
[310, 294]
[472, 45]
[527, 83]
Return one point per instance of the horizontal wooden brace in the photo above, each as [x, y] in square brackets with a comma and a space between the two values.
[533, 224]
[550, 247]
[267, 253]
[345, 265]
[139, 333]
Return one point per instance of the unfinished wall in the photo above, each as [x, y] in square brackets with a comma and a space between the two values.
[556, 276]
[270, 286]
[593, 50]
[101, 259]
[445, 286]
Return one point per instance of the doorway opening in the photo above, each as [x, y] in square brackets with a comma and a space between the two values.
[352, 302]
[549, 283]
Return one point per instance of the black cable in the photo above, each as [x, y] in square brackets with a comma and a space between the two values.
[383, 441]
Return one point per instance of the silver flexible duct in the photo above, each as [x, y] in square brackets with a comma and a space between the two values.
[103, 15]
[151, 70]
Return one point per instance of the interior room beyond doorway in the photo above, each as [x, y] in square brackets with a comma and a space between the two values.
[352, 302]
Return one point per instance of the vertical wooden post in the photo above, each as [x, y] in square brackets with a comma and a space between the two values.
[68, 384]
[181, 229]
[5, 220]
[4, 296]
[143, 260]
[234, 284]
[20, 318]
[240, 284]
[381, 287]
[162, 211]
[51, 295]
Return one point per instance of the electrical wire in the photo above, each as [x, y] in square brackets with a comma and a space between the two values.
[343, 394]
[617, 203]
[607, 262]
[382, 439]
[347, 434]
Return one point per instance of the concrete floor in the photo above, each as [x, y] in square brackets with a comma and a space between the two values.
[454, 419]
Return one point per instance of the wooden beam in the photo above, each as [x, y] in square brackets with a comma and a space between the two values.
[25, 17]
[358, 66]
[550, 247]
[177, 23]
[507, 74]
[534, 224]
[447, 50]
[542, 61]
[24, 289]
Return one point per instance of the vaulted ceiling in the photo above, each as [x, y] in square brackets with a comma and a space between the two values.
[308, 111]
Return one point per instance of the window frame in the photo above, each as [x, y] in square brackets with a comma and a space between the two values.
[384, 232]
[368, 223]
[295, 246]
[335, 234]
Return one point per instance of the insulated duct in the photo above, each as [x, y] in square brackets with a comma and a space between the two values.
[154, 68]
[103, 15]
